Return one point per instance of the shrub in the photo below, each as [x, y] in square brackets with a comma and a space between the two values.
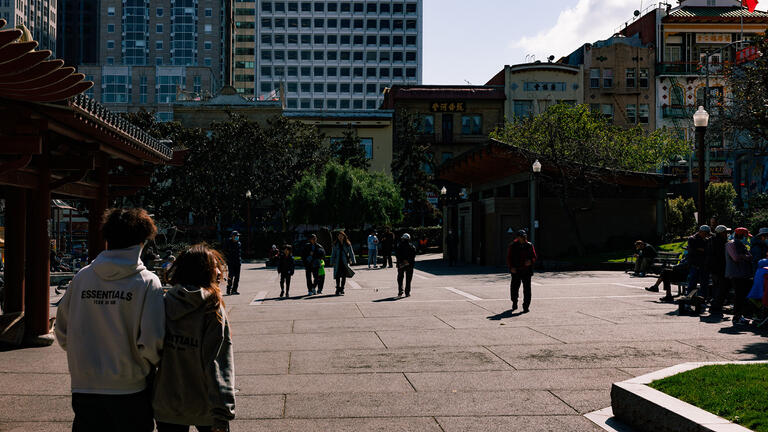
[680, 216]
[719, 198]
[757, 220]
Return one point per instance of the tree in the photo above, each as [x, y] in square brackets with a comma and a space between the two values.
[411, 156]
[746, 114]
[720, 198]
[585, 151]
[345, 196]
[349, 150]
[681, 220]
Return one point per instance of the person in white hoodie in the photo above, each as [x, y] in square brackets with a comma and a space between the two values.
[111, 323]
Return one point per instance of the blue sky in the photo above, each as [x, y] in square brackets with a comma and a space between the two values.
[473, 39]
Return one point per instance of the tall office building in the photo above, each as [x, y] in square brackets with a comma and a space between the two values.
[154, 52]
[39, 16]
[78, 24]
[327, 54]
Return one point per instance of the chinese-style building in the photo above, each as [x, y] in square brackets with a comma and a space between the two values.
[56, 143]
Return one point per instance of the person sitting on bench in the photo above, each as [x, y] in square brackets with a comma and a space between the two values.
[677, 274]
[644, 255]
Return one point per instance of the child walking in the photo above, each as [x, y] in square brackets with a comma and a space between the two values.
[285, 268]
[195, 383]
[320, 282]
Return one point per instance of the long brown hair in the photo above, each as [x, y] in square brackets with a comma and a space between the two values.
[201, 266]
[343, 242]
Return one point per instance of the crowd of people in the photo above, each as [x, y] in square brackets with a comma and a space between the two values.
[718, 267]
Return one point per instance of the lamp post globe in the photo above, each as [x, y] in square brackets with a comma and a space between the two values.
[536, 166]
[443, 190]
[701, 117]
[701, 121]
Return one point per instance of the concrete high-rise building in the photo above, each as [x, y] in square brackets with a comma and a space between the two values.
[78, 24]
[154, 52]
[327, 54]
[39, 16]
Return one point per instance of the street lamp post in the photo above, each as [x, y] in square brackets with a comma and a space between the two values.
[248, 196]
[536, 168]
[701, 120]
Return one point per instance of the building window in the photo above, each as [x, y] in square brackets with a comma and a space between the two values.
[110, 28]
[115, 89]
[319, 88]
[643, 114]
[594, 78]
[159, 12]
[367, 145]
[631, 78]
[143, 90]
[631, 113]
[158, 61]
[428, 124]
[158, 28]
[317, 103]
[159, 45]
[208, 12]
[607, 110]
[607, 78]
[207, 61]
[344, 104]
[110, 44]
[110, 11]
[644, 78]
[471, 125]
[208, 28]
[208, 45]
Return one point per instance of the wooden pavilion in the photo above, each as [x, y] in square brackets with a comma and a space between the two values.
[56, 142]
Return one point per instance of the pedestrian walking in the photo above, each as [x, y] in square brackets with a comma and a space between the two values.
[716, 266]
[521, 256]
[373, 245]
[195, 383]
[697, 258]
[342, 256]
[738, 269]
[387, 244]
[233, 255]
[286, 266]
[406, 260]
[452, 241]
[320, 281]
[111, 323]
[311, 255]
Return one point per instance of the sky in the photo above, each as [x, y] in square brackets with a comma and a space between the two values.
[472, 40]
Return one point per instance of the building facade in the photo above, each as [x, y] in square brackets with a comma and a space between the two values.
[455, 119]
[326, 54]
[531, 88]
[619, 75]
[78, 24]
[155, 52]
[39, 16]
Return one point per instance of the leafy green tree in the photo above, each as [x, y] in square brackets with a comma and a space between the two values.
[746, 114]
[583, 150]
[719, 199]
[411, 157]
[681, 220]
[349, 150]
[345, 196]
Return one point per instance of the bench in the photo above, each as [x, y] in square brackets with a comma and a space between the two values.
[662, 261]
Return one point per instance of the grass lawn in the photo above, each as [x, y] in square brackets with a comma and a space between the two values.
[738, 393]
[620, 256]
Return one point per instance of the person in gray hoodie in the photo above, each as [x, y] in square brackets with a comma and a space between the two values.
[195, 382]
[111, 324]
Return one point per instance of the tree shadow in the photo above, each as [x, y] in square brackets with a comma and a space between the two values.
[758, 350]
[506, 314]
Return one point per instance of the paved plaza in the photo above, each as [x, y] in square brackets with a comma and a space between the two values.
[449, 358]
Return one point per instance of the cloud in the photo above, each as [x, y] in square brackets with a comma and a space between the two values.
[587, 22]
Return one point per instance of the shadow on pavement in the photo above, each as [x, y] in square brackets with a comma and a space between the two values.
[759, 350]
[388, 299]
[506, 314]
[319, 296]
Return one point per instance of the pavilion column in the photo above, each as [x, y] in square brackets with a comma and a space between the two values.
[96, 211]
[15, 248]
[38, 297]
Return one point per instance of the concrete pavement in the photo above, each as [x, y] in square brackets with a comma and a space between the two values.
[452, 357]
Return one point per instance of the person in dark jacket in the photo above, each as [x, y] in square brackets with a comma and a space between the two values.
[716, 265]
[195, 382]
[387, 244]
[697, 257]
[521, 256]
[678, 273]
[285, 268]
[232, 254]
[759, 247]
[406, 260]
[644, 255]
[342, 256]
[311, 255]
[452, 241]
[738, 269]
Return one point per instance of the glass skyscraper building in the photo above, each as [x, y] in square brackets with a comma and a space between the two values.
[326, 54]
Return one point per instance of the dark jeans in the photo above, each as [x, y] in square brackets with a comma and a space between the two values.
[341, 279]
[387, 254]
[741, 287]
[514, 288]
[720, 288]
[670, 276]
[698, 275]
[407, 272]
[643, 264]
[320, 283]
[233, 281]
[118, 413]
[285, 283]
[170, 427]
[312, 277]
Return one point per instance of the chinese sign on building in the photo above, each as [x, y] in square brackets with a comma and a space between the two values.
[447, 107]
[713, 38]
[747, 54]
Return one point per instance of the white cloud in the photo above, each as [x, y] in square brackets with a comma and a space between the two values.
[587, 22]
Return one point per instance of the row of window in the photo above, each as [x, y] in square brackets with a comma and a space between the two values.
[332, 39]
[293, 87]
[471, 124]
[344, 7]
[634, 113]
[344, 56]
[633, 79]
[331, 23]
[117, 88]
[159, 12]
[160, 61]
[207, 28]
[332, 72]
[208, 45]
[331, 104]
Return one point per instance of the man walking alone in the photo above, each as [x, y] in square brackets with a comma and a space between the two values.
[521, 256]
[232, 253]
